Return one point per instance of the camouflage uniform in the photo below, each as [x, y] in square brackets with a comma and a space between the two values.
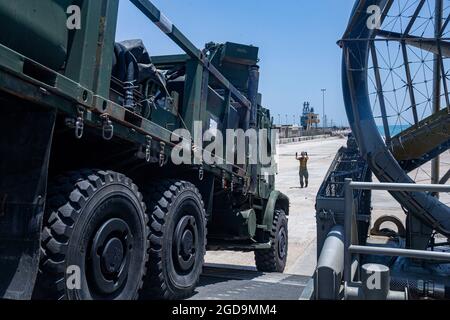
[304, 175]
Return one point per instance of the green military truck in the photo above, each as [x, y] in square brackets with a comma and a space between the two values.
[92, 206]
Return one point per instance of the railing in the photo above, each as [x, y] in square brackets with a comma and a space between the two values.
[352, 249]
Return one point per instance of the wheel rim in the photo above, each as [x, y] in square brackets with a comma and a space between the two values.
[110, 255]
[185, 244]
[282, 243]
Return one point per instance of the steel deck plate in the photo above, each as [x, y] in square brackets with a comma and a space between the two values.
[223, 282]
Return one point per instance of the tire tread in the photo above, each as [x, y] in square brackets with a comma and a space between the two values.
[159, 197]
[67, 196]
[266, 260]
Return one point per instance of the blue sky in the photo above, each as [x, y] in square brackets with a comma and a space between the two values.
[297, 40]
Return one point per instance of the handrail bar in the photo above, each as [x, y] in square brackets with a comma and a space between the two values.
[349, 212]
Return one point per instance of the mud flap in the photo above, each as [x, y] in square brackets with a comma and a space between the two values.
[25, 143]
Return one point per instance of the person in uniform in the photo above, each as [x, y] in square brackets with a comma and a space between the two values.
[303, 170]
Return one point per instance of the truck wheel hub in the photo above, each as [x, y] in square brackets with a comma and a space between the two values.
[112, 256]
[185, 238]
[110, 253]
[282, 244]
[187, 243]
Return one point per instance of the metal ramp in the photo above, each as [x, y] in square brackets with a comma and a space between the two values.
[423, 142]
[224, 282]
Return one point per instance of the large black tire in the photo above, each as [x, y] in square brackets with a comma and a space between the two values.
[177, 239]
[274, 259]
[95, 221]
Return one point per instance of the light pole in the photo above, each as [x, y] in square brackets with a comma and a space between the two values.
[323, 101]
[279, 119]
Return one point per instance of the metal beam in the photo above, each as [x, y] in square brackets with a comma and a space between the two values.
[406, 187]
[444, 78]
[414, 17]
[427, 44]
[445, 24]
[435, 164]
[153, 13]
[412, 97]
[348, 218]
[380, 93]
[406, 60]
[445, 178]
[413, 254]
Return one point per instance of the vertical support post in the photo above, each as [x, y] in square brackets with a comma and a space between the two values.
[252, 115]
[226, 121]
[105, 48]
[435, 165]
[192, 106]
[193, 94]
[227, 108]
[82, 57]
[348, 218]
[204, 97]
[253, 85]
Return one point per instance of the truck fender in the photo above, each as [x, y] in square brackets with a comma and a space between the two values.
[277, 200]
